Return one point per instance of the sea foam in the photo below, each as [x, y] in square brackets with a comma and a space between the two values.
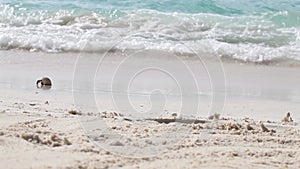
[254, 37]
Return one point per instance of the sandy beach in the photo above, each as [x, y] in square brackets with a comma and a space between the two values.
[39, 130]
[149, 84]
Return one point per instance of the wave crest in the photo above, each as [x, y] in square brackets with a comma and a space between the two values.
[254, 38]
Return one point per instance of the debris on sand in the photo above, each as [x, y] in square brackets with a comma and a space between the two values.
[67, 142]
[32, 104]
[264, 128]
[55, 138]
[44, 83]
[110, 115]
[166, 121]
[127, 119]
[74, 112]
[171, 120]
[287, 118]
[249, 127]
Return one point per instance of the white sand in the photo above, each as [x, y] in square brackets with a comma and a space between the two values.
[35, 134]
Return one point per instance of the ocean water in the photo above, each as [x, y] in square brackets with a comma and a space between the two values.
[249, 30]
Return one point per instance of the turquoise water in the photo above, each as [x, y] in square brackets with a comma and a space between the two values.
[249, 30]
[222, 7]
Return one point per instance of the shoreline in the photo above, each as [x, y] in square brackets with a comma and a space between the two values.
[244, 83]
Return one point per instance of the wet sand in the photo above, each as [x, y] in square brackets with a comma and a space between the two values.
[37, 130]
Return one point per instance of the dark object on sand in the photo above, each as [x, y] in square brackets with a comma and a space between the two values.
[287, 118]
[265, 129]
[187, 121]
[44, 83]
[249, 127]
[74, 112]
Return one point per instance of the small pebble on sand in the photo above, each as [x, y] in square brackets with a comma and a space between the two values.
[32, 104]
[74, 112]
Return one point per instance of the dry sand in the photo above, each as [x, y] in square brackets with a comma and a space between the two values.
[39, 135]
[37, 130]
